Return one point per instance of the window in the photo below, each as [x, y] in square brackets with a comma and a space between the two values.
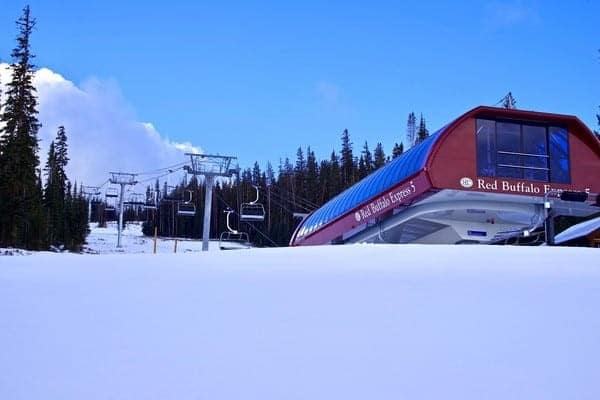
[522, 151]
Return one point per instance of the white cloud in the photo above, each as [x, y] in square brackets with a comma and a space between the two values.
[102, 131]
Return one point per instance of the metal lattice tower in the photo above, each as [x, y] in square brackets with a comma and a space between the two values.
[209, 166]
[123, 179]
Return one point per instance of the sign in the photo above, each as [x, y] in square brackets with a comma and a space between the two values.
[395, 196]
[390, 199]
[466, 182]
[514, 186]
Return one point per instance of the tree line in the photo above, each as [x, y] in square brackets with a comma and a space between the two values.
[35, 213]
[287, 193]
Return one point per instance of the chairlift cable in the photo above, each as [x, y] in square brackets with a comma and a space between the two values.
[302, 199]
[277, 203]
[261, 233]
[162, 169]
[282, 200]
[300, 205]
[307, 203]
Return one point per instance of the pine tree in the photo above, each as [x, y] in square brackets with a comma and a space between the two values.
[56, 188]
[299, 173]
[379, 154]
[312, 176]
[61, 156]
[422, 133]
[77, 225]
[335, 182]
[368, 159]
[362, 168]
[51, 197]
[270, 174]
[397, 150]
[411, 129]
[348, 165]
[256, 174]
[19, 185]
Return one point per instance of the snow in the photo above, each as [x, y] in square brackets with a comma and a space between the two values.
[577, 231]
[104, 240]
[327, 322]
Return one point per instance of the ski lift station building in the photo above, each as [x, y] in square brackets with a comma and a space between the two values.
[482, 178]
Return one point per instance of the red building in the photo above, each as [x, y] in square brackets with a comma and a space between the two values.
[481, 178]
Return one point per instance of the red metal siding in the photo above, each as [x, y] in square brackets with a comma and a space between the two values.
[454, 156]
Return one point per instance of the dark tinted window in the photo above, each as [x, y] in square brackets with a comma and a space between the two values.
[508, 137]
[559, 155]
[535, 163]
[522, 151]
[486, 147]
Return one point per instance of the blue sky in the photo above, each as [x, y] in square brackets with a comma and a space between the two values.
[259, 79]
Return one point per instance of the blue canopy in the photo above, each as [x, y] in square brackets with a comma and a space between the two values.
[379, 181]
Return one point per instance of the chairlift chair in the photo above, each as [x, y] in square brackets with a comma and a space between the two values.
[150, 201]
[109, 207]
[112, 192]
[232, 239]
[252, 211]
[136, 199]
[186, 209]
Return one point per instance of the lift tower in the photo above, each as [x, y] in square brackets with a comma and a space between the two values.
[123, 179]
[90, 192]
[209, 166]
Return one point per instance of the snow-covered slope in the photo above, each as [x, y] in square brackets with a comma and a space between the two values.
[104, 240]
[343, 322]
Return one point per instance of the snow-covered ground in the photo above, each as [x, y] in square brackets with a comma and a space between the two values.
[330, 322]
[104, 240]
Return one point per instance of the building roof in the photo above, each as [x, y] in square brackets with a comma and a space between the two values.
[384, 178]
[339, 215]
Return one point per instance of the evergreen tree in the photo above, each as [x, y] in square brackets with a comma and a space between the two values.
[397, 150]
[77, 222]
[362, 168]
[56, 188]
[348, 165]
[270, 175]
[19, 185]
[335, 179]
[379, 154]
[54, 210]
[299, 172]
[256, 174]
[411, 129]
[368, 159]
[312, 177]
[422, 133]
[37, 237]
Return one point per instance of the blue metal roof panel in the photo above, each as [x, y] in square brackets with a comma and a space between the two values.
[384, 178]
